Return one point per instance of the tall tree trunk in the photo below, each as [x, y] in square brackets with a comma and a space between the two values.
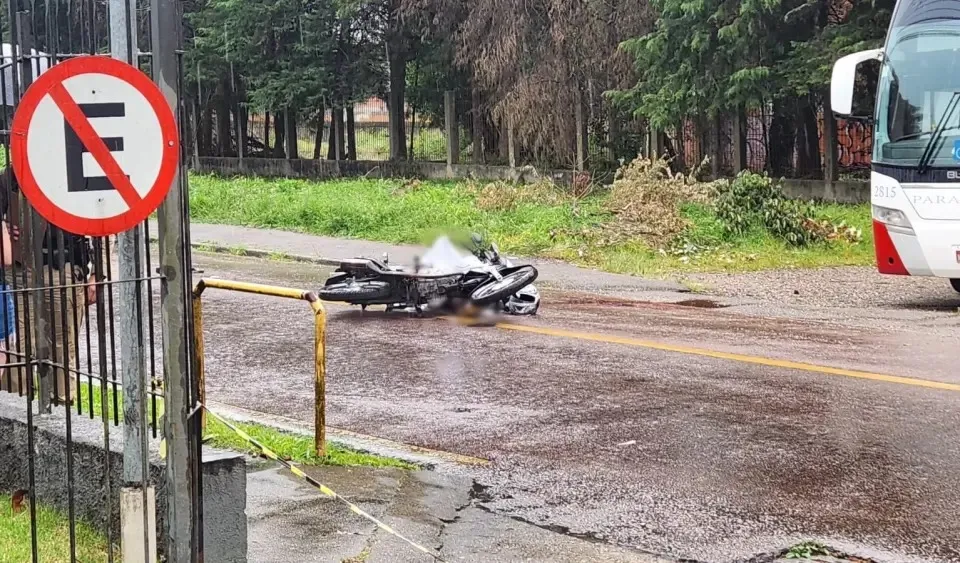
[808, 140]
[782, 138]
[224, 109]
[716, 145]
[351, 134]
[613, 133]
[413, 131]
[491, 140]
[206, 131]
[397, 60]
[266, 134]
[668, 151]
[332, 135]
[278, 134]
[830, 156]
[244, 129]
[341, 136]
[335, 149]
[703, 140]
[318, 137]
[681, 148]
[503, 141]
[193, 132]
[293, 149]
[413, 110]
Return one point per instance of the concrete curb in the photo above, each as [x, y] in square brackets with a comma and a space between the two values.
[258, 253]
[424, 457]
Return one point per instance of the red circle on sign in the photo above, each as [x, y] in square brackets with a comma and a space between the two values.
[45, 85]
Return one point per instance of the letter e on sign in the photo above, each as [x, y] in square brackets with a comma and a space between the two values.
[94, 145]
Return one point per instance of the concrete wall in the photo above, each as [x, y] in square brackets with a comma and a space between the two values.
[850, 191]
[839, 192]
[224, 476]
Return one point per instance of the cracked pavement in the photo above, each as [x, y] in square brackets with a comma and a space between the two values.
[437, 511]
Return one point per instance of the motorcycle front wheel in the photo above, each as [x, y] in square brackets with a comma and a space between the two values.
[510, 283]
[355, 291]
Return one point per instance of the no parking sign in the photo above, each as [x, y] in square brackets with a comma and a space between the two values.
[94, 145]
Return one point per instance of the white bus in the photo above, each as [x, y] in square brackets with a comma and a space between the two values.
[915, 178]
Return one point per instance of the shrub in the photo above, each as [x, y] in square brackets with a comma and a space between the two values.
[755, 201]
[646, 200]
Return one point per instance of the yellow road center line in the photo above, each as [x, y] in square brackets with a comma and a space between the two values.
[744, 358]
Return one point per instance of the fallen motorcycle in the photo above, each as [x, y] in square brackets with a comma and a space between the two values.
[442, 278]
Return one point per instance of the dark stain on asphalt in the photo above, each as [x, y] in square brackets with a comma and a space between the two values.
[588, 300]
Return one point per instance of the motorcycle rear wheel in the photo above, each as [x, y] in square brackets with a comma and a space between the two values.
[498, 290]
[355, 292]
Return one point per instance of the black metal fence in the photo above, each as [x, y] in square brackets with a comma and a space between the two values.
[693, 142]
[71, 436]
[359, 132]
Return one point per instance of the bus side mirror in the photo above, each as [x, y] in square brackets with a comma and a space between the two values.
[844, 78]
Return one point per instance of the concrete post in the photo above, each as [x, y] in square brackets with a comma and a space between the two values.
[130, 259]
[452, 127]
[184, 515]
[138, 508]
[138, 535]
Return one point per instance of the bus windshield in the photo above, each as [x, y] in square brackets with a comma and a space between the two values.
[919, 80]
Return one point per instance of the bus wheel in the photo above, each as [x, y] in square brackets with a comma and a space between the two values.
[955, 283]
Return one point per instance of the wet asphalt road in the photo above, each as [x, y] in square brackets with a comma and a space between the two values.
[676, 453]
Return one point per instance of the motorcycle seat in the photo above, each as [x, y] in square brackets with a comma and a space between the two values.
[364, 263]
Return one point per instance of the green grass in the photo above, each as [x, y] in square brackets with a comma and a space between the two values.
[53, 529]
[293, 447]
[758, 250]
[383, 210]
[807, 550]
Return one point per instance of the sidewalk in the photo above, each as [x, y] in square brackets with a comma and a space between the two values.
[554, 274]
[288, 520]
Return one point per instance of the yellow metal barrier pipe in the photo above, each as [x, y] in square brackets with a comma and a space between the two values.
[320, 342]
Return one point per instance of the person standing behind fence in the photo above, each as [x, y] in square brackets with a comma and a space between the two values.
[8, 318]
[76, 271]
